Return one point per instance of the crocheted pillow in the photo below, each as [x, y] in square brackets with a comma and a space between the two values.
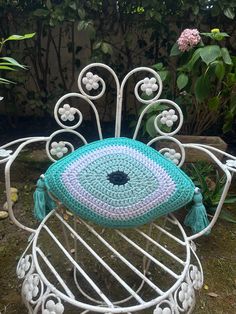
[118, 182]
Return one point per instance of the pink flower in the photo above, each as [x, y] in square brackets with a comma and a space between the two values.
[188, 39]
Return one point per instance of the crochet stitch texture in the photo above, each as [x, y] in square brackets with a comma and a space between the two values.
[118, 182]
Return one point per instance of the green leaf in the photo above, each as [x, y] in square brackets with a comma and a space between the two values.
[226, 56]
[214, 103]
[81, 25]
[175, 50]
[163, 75]
[216, 36]
[97, 45]
[87, 26]
[41, 13]
[202, 88]
[20, 37]
[49, 4]
[182, 81]
[13, 62]
[210, 53]
[195, 9]
[91, 31]
[81, 13]
[158, 66]
[106, 48]
[229, 12]
[230, 200]
[220, 70]
[227, 216]
[4, 81]
[4, 67]
[150, 126]
[193, 60]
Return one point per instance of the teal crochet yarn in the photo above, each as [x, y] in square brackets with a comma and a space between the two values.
[118, 182]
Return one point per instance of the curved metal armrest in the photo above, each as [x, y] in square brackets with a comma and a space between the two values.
[9, 160]
[227, 171]
[230, 163]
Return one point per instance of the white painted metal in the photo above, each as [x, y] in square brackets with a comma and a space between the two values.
[45, 288]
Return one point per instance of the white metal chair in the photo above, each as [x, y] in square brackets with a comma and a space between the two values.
[72, 266]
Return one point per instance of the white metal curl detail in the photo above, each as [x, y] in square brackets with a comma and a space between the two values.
[68, 113]
[167, 117]
[195, 276]
[91, 81]
[231, 164]
[32, 288]
[24, 266]
[52, 305]
[170, 153]
[165, 307]
[59, 149]
[5, 153]
[184, 297]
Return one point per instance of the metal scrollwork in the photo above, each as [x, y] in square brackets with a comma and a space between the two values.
[195, 276]
[90, 81]
[185, 296]
[149, 86]
[32, 289]
[52, 305]
[5, 153]
[24, 266]
[170, 153]
[164, 307]
[60, 148]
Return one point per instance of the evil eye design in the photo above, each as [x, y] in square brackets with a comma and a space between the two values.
[118, 182]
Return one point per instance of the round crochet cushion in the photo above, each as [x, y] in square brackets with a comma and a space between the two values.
[118, 182]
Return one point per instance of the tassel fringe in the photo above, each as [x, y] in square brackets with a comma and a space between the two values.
[43, 203]
[197, 218]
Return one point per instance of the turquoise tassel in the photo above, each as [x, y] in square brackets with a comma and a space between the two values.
[43, 203]
[197, 217]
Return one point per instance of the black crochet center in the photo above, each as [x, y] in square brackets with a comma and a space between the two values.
[118, 178]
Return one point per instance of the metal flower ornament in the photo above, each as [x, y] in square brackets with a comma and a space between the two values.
[149, 85]
[67, 113]
[23, 266]
[30, 288]
[5, 153]
[91, 81]
[231, 163]
[58, 149]
[168, 117]
[53, 308]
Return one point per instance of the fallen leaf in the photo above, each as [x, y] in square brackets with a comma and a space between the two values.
[69, 213]
[66, 217]
[212, 294]
[206, 287]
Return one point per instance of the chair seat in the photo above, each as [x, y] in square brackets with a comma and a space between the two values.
[109, 270]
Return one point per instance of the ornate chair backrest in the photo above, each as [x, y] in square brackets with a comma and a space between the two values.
[87, 81]
[69, 118]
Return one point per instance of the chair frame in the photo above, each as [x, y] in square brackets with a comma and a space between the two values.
[38, 291]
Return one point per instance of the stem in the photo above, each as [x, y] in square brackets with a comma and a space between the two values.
[45, 77]
[58, 54]
[73, 55]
